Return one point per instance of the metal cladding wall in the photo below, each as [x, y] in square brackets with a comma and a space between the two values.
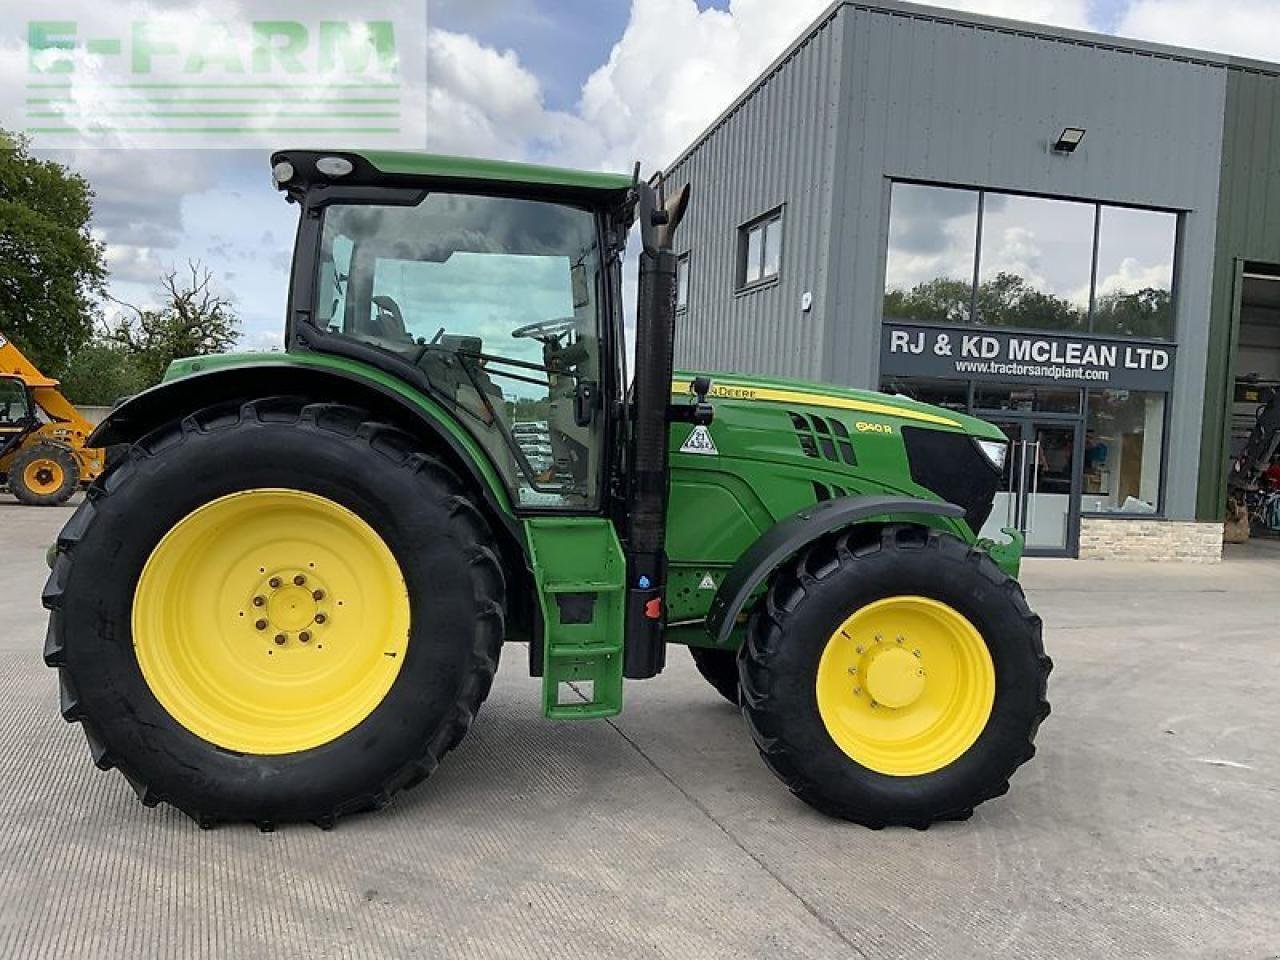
[932, 95]
[777, 148]
[1248, 229]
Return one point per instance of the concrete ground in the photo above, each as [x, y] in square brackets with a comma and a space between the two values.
[1146, 827]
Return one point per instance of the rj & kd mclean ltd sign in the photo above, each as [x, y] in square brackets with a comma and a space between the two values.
[966, 353]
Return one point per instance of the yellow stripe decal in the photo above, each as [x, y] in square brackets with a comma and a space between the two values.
[735, 392]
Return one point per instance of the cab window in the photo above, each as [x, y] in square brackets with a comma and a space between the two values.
[15, 409]
[496, 300]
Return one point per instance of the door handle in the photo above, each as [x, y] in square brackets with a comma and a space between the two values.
[1022, 489]
[1015, 474]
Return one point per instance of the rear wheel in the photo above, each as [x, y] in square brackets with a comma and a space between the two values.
[275, 613]
[895, 678]
[44, 475]
[720, 669]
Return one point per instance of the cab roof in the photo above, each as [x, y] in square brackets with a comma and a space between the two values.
[464, 169]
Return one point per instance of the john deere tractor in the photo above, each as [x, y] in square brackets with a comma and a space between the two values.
[287, 601]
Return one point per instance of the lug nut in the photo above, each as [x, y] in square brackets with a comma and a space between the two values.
[281, 639]
[317, 595]
[259, 601]
[299, 580]
[274, 583]
[305, 636]
[321, 618]
[261, 624]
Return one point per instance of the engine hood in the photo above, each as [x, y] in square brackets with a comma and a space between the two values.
[725, 386]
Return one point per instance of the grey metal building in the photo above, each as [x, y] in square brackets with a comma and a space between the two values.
[1012, 219]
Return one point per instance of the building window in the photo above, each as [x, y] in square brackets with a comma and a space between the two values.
[933, 245]
[952, 394]
[984, 258]
[682, 282]
[1034, 263]
[1024, 398]
[1123, 447]
[760, 249]
[1134, 293]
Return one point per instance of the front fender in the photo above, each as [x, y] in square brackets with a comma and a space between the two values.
[787, 537]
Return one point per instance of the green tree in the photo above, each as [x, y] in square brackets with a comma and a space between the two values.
[1006, 300]
[1144, 313]
[51, 268]
[192, 320]
[101, 372]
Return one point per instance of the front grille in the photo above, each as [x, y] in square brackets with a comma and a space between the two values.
[824, 438]
[952, 466]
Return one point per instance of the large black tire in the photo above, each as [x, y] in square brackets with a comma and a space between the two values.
[787, 635]
[720, 669]
[62, 461]
[441, 542]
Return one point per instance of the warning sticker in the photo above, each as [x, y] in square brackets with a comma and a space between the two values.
[708, 582]
[700, 442]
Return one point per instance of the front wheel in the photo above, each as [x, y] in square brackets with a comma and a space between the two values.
[274, 612]
[894, 677]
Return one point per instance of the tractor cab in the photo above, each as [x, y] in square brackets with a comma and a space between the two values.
[503, 305]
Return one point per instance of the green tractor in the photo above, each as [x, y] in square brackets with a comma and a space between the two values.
[287, 601]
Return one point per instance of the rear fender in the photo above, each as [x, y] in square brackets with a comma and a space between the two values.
[417, 414]
[791, 535]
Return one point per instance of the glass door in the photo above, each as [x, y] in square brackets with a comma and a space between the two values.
[1038, 493]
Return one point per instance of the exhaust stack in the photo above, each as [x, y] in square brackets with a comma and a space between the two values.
[644, 649]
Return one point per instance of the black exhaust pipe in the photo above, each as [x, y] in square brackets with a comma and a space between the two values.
[645, 649]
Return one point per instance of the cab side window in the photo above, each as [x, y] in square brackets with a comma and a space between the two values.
[496, 300]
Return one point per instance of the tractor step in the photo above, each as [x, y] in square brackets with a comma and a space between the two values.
[581, 576]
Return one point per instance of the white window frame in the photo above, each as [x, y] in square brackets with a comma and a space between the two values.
[766, 226]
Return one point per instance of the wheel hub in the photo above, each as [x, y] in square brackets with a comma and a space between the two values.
[905, 685]
[291, 608]
[894, 677]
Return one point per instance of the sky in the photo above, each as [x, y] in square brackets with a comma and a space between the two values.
[596, 84]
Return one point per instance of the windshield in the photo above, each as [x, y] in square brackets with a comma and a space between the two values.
[495, 299]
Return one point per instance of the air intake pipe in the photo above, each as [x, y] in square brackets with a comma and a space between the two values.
[648, 479]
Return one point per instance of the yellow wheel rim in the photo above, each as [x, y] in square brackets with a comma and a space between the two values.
[43, 476]
[270, 621]
[905, 686]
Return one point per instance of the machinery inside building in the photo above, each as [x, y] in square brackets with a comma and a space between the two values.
[1255, 420]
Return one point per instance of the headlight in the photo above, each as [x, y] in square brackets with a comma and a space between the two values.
[995, 451]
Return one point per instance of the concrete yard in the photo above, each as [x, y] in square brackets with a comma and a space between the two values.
[1146, 827]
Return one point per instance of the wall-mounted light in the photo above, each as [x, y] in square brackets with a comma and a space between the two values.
[1068, 140]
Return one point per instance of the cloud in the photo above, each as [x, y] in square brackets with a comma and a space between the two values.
[1133, 275]
[676, 67]
[481, 100]
[1246, 28]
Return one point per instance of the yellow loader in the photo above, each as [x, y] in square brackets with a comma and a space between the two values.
[43, 456]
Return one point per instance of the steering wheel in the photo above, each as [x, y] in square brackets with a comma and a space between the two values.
[547, 331]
